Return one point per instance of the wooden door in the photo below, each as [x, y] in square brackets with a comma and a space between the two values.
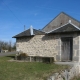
[66, 49]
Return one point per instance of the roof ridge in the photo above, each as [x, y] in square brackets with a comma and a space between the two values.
[58, 15]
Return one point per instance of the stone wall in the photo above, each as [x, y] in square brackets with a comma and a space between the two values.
[76, 45]
[76, 48]
[48, 45]
[67, 74]
[39, 45]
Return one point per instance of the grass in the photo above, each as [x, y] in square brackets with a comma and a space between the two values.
[26, 70]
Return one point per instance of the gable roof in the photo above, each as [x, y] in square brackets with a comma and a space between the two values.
[59, 24]
[60, 20]
[69, 27]
[27, 33]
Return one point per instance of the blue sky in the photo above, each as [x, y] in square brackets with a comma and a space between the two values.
[14, 14]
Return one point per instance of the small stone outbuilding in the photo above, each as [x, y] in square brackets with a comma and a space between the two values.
[59, 40]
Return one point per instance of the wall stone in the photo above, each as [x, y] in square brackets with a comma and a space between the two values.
[47, 45]
[76, 48]
[75, 58]
[67, 74]
[39, 45]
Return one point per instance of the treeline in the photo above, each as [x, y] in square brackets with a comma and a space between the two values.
[7, 45]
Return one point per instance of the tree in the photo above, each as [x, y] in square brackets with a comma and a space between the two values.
[10, 46]
[14, 46]
[7, 45]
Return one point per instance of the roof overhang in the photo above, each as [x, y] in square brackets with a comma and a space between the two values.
[23, 36]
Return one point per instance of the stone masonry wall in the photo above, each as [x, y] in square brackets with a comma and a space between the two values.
[76, 48]
[48, 45]
[67, 74]
[39, 45]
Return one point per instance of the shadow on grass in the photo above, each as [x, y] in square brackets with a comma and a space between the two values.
[13, 57]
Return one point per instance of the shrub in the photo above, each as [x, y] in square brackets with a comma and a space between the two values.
[22, 56]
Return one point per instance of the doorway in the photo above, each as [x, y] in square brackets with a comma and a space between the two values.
[66, 48]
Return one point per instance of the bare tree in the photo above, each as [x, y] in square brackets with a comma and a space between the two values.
[7, 45]
[14, 46]
[10, 45]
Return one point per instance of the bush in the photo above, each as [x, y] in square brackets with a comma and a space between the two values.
[22, 56]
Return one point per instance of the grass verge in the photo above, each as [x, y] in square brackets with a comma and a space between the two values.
[26, 70]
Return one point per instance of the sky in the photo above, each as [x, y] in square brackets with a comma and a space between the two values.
[14, 14]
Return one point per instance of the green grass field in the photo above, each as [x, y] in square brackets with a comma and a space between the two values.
[26, 70]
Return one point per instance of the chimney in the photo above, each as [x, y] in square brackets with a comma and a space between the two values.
[31, 30]
[69, 21]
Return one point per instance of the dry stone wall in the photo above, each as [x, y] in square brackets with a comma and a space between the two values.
[66, 74]
[39, 45]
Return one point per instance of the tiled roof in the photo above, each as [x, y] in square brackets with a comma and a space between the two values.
[69, 27]
[27, 33]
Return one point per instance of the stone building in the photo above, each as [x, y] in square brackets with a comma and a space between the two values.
[58, 40]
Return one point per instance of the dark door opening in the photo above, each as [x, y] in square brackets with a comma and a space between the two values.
[67, 49]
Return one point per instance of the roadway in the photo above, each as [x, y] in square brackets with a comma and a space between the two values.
[8, 53]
